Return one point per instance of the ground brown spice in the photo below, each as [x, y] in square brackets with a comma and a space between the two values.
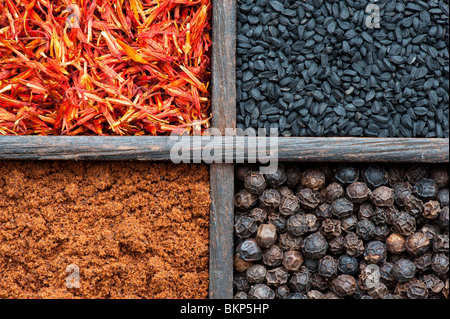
[134, 229]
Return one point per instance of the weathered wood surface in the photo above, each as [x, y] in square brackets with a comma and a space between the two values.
[297, 149]
[222, 175]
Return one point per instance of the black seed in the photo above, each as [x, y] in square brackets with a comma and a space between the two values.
[277, 6]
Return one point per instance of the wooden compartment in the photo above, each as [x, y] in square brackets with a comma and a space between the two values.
[223, 105]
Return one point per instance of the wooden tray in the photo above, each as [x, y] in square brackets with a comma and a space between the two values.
[223, 107]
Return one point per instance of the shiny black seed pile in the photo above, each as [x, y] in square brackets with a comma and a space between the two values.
[314, 68]
[342, 231]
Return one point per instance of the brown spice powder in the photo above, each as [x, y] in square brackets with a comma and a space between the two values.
[134, 229]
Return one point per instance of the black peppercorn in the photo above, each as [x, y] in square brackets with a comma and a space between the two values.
[311, 265]
[382, 215]
[423, 262]
[279, 221]
[395, 243]
[396, 174]
[366, 211]
[440, 264]
[348, 265]
[440, 243]
[242, 170]
[272, 256]
[282, 292]
[289, 205]
[266, 235]
[429, 230]
[240, 264]
[261, 291]
[413, 205]
[314, 246]
[245, 226]
[417, 289]
[381, 232]
[293, 175]
[353, 245]
[386, 274]
[433, 283]
[315, 294]
[346, 174]
[299, 225]
[319, 282]
[270, 198]
[444, 218]
[308, 198]
[323, 211]
[240, 282]
[285, 191]
[313, 179]
[440, 176]
[348, 224]
[404, 270]
[426, 189]
[375, 176]
[342, 208]
[292, 260]
[332, 192]
[417, 244]
[277, 276]
[344, 285]
[365, 229]
[401, 191]
[415, 173]
[383, 196]
[443, 197]
[245, 200]
[431, 209]
[331, 228]
[249, 250]
[404, 224]
[375, 252]
[258, 214]
[336, 245]
[254, 182]
[358, 192]
[256, 274]
[301, 281]
[240, 295]
[327, 266]
[287, 242]
[378, 291]
[277, 178]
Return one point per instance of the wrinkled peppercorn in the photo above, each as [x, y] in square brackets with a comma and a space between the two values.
[293, 175]
[315, 294]
[417, 289]
[277, 276]
[342, 208]
[249, 250]
[292, 260]
[417, 244]
[308, 198]
[415, 173]
[378, 291]
[386, 274]
[285, 191]
[404, 224]
[240, 282]
[299, 225]
[313, 179]
[301, 281]
[426, 189]
[358, 192]
[245, 200]
[288, 242]
[279, 221]
[404, 270]
[440, 176]
[383, 196]
[346, 174]
[256, 274]
[348, 265]
[353, 245]
[245, 226]
[289, 205]
[266, 235]
[277, 178]
[319, 282]
[240, 264]
[259, 215]
[365, 229]
[444, 218]
[270, 198]
[327, 266]
[440, 243]
[440, 264]
[375, 252]
[431, 209]
[423, 262]
[331, 228]
[344, 285]
[375, 176]
[366, 211]
[336, 245]
[429, 230]
[401, 191]
[396, 174]
[323, 211]
[282, 292]
[433, 283]
[261, 291]
[332, 192]
[272, 256]
[443, 197]
[314, 246]
[255, 182]
[348, 224]
[395, 243]
[413, 205]
[381, 232]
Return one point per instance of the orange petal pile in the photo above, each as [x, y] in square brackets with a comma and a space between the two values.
[104, 67]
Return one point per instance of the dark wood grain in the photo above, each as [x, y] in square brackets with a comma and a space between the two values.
[222, 175]
[299, 149]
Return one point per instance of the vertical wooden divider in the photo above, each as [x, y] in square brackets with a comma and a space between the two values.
[223, 107]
